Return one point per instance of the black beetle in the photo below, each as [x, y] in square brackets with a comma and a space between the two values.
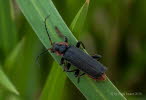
[75, 56]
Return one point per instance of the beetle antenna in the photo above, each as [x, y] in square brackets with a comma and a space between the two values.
[37, 59]
[47, 29]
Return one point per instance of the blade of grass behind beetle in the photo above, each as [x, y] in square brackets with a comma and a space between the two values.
[78, 22]
[8, 34]
[13, 57]
[54, 87]
[20, 64]
[6, 83]
[24, 73]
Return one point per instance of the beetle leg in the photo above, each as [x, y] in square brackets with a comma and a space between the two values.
[78, 80]
[97, 57]
[77, 72]
[80, 43]
[74, 70]
[80, 76]
[37, 59]
[67, 67]
[62, 61]
[66, 39]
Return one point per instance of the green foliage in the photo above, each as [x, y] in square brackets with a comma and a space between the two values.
[5, 82]
[7, 28]
[114, 29]
[101, 90]
[78, 22]
[54, 88]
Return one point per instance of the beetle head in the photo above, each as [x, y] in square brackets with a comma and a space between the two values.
[59, 48]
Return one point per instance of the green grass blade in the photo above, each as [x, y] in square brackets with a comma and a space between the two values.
[35, 12]
[5, 82]
[53, 90]
[8, 35]
[78, 22]
[24, 71]
[13, 57]
[76, 26]
[21, 67]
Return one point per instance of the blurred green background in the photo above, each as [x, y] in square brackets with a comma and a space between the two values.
[114, 29]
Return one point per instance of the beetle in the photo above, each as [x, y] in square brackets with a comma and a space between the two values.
[73, 55]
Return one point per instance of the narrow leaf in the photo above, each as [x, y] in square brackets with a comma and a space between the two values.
[13, 57]
[8, 34]
[35, 12]
[54, 87]
[24, 70]
[6, 83]
[78, 22]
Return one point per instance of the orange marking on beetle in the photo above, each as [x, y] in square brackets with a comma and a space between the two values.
[63, 43]
[102, 77]
[58, 53]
